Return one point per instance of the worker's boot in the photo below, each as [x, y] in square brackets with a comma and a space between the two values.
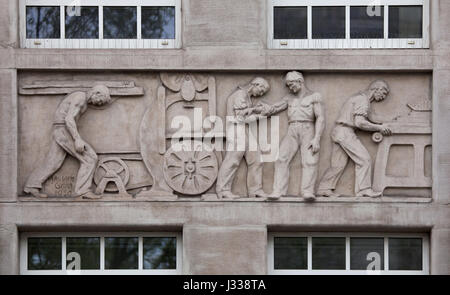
[369, 193]
[35, 192]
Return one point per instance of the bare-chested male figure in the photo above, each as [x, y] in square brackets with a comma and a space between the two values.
[67, 140]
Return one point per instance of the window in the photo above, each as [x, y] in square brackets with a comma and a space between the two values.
[290, 22]
[352, 253]
[119, 22]
[105, 253]
[328, 22]
[158, 22]
[43, 22]
[85, 25]
[347, 24]
[100, 24]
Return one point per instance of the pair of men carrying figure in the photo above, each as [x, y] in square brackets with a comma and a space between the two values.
[306, 118]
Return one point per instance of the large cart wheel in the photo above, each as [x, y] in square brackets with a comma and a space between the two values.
[191, 170]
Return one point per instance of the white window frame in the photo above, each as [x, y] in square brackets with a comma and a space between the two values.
[309, 271]
[101, 43]
[102, 271]
[349, 43]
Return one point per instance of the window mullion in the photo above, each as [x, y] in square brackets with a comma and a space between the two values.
[386, 253]
[425, 24]
[62, 24]
[386, 22]
[100, 24]
[141, 253]
[347, 24]
[347, 252]
[309, 252]
[102, 253]
[63, 253]
[309, 20]
[139, 22]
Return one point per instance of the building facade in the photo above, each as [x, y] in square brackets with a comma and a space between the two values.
[315, 136]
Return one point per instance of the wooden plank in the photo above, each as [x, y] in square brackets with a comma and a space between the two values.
[135, 91]
[78, 84]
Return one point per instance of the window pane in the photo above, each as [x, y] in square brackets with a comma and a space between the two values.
[158, 22]
[366, 22]
[405, 254]
[359, 250]
[43, 22]
[160, 253]
[290, 22]
[119, 22]
[328, 22]
[88, 249]
[291, 253]
[405, 21]
[121, 253]
[328, 253]
[81, 22]
[44, 253]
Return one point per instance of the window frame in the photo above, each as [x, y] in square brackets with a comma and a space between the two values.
[348, 43]
[347, 235]
[100, 43]
[102, 235]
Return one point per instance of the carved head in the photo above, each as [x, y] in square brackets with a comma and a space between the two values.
[99, 95]
[294, 81]
[379, 90]
[258, 87]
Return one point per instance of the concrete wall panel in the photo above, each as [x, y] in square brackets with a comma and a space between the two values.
[9, 250]
[8, 135]
[238, 250]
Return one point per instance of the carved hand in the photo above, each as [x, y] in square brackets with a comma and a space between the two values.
[258, 109]
[385, 130]
[314, 145]
[80, 146]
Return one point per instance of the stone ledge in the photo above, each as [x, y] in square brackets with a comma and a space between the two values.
[291, 199]
[219, 58]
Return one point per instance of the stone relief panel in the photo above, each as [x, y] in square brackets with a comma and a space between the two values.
[167, 136]
[190, 171]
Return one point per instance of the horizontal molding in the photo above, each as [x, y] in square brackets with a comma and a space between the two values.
[157, 214]
[218, 58]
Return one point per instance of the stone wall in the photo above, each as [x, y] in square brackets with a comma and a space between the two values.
[230, 44]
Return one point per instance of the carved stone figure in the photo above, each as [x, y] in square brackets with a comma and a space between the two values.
[67, 140]
[354, 114]
[306, 125]
[240, 112]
